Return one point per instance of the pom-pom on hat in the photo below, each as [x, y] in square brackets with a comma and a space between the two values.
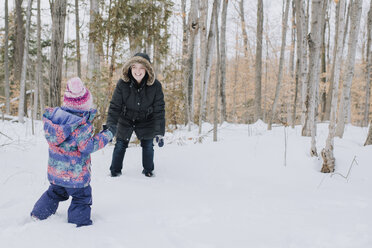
[77, 96]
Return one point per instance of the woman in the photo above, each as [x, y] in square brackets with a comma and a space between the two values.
[137, 105]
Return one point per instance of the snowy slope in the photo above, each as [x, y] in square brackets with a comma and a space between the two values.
[237, 192]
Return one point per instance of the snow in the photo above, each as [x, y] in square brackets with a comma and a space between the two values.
[238, 192]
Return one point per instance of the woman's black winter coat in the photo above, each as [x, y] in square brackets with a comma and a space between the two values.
[138, 108]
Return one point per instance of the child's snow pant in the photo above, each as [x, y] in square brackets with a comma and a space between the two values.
[79, 210]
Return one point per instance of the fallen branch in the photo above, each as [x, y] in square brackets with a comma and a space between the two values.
[6, 136]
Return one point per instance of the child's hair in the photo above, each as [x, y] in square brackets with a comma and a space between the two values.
[77, 96]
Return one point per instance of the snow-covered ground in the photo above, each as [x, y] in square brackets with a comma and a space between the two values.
[238, 192]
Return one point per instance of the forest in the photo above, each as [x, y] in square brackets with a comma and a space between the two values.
[287, 63]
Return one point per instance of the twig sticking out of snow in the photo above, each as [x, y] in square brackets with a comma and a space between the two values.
[348, 173]
[336, 173]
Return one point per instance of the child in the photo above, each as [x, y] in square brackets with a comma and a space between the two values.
[69, 133]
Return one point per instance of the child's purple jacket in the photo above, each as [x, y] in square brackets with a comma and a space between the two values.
[69, 133]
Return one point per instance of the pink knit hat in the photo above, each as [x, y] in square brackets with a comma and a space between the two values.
[77, 96]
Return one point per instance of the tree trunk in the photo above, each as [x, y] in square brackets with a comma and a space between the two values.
[369, 137]
[244, 31]
[330, 93]
[20, 41]
[369, 67]
[301, 54]
[192, 30]
[344, 109]
[56, 51]
[203, 10]
[208, 62]
[6, 61]
[39, 73]
[281, 61]
[304, 53]
[218, 66]
[77, 28]
[94, 59]
[24, 65]
[184, 61]
[134, 43]
[223, 60]
[258, 67]
[291, 64]
[327, 152]
[314, 40]
[236, 67]
[323, 67]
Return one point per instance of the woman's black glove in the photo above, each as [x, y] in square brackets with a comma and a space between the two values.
[159, 140]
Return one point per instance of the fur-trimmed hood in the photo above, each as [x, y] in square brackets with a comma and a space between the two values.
[139, 58]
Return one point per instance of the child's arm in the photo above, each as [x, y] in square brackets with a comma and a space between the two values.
[95, 143]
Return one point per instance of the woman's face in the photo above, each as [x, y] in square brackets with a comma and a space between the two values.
[138, 72]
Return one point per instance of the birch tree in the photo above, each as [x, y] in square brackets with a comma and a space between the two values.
[330, 93]
[344, 109]
[369, 66]
[24, 65]
[258, 67]
[203, 23]
[19, 42]
[223, 60]
[77, 29]
[208, 62]
[244, 30]
[184, 60]
[39, 76]
[281, 61]
[6, 61]
[301, 47]
[192, 30]
[327, 152]
[56, 51]
[309, 129]
[215, 119]
[93, 53]
[292, 64]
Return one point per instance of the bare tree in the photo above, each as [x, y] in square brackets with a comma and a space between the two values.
[203, 23]
[20, 40]
[323, 64]
[192, 30]
[208, 62]
[94, 60]
[292, 64]
[244, 30]
[39, 75]
[369, 66]
[330, 93]
[56, 52]
[301, 53]
[6, 61]
[77, 28]
[327, 152]
[344, 109]
[258, 67]
[281, 61]
[223, 60]
[24, 65]
[309, 129]
[218, 66]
